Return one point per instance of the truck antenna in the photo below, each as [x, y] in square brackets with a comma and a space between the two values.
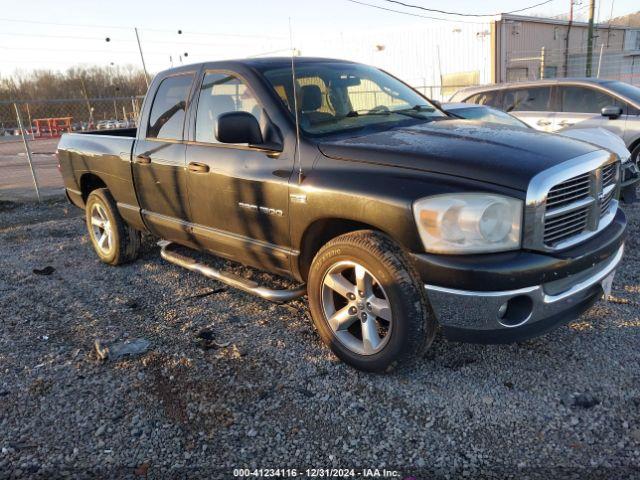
[295, 103]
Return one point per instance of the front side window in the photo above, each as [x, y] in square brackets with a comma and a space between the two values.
[485, 98]
[222, 93]
[534, 99]
[166, 120]
[335, 97]
[585, 100]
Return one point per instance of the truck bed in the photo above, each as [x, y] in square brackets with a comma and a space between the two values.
[105, 155]
[113, 132]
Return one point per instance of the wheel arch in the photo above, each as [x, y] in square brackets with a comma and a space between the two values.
[321, 231]
[634, 144]
[90, 182]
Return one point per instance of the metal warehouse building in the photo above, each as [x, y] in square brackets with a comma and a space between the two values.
[440, 57]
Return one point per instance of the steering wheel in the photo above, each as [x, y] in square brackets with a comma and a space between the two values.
[380, 109]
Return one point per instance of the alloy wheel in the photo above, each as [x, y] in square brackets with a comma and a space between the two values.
[101, 229]
[356, 308]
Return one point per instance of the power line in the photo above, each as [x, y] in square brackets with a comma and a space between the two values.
[112, 39]
[434, 10]
[182, 32]
[411, 14]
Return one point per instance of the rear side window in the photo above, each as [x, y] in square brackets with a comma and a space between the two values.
[222, 93]
[534, 99]
[585, 100]
[166, 119]
[485, 98]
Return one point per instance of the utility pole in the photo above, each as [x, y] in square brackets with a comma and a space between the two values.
[566, 43]
[592, 8]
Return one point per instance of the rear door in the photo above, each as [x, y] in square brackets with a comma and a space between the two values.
[580, 107]
[159, 160]
[239, 194]
[533, 105]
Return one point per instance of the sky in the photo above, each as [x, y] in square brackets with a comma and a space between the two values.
[59, 34]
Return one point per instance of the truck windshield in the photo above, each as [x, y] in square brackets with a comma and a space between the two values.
[336, 97]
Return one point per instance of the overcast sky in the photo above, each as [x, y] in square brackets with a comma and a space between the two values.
[48, 34]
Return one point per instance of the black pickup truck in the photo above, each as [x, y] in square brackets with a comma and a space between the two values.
[394, 217]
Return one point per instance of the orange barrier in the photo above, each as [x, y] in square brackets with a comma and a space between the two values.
[51, 127]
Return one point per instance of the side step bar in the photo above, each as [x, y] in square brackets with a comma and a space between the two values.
[249, 286]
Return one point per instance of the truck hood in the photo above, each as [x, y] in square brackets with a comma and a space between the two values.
[491, 153]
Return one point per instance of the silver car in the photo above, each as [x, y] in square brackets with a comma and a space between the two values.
[597, 136]
[559, 104]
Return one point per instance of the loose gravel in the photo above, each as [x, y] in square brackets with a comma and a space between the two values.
[231, 381]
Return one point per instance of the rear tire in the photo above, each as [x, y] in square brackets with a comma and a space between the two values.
[367, 302]
[635, 155]
[114, 241]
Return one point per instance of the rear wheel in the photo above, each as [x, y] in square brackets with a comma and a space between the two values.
[112, 238]
[635, 155]
[367, 303]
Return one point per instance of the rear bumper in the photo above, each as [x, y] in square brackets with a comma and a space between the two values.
[513, 315]
[537, 291]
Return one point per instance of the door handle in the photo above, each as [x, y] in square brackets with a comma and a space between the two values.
[543, 123]
[564, 123]
[144, 159]
[196, 167]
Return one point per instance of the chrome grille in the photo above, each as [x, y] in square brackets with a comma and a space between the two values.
[605, 202]
[570, 204]
[609, 174]
[570, 191]
[565, 225]
[571, 201]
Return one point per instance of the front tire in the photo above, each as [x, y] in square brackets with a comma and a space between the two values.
[112, 238]
[367, 303]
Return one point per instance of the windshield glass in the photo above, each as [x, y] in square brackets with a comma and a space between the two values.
[335, 97]
[486, 114]
[630, 91]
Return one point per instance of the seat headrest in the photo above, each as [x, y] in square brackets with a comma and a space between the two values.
[219, 104]
[311, 98]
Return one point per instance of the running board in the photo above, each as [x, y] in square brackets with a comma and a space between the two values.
[249, 286]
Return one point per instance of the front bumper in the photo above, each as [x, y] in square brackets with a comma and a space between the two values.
[512, 315]
[500, 298]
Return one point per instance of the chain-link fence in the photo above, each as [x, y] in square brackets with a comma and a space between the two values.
[29, 134]
[561, 63]
[48, 118]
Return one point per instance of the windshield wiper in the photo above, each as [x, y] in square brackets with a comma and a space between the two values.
[411, 111]
[361, 113]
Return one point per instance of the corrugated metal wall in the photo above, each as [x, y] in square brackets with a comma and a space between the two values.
[419, 55]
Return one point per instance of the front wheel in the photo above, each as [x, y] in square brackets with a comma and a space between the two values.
[366, 302]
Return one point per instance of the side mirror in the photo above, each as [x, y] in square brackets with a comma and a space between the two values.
[238, 127]
[611, 112]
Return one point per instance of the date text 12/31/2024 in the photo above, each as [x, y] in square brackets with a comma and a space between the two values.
[318, 473]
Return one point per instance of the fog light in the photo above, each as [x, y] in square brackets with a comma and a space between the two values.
[516, 311]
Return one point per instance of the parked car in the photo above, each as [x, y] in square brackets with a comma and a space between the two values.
[392, 216]
[558, 104]
[598, 136]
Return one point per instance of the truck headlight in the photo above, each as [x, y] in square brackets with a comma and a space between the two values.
[463, 223]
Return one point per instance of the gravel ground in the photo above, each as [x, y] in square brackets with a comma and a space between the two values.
[564, 404]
